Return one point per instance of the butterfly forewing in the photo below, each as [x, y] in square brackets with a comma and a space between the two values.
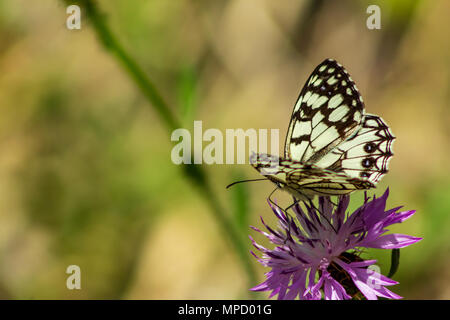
[328, 110]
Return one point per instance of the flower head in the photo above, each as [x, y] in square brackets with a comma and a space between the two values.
[319, 250]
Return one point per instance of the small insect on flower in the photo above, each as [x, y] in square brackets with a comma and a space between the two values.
[318, 252]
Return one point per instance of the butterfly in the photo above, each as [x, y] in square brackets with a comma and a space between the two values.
[332, 146]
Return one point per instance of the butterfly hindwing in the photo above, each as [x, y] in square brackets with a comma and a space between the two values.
[328, 110]
[318, 181]
[305, 180]
[366, 154]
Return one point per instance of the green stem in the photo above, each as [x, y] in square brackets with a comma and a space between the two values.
[195, 173]
[395, 262]
[111, 43]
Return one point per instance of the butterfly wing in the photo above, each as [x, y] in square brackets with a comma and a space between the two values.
[313, 180]
[331, 148]
[366, 154]
[304, 181]
[328, 111]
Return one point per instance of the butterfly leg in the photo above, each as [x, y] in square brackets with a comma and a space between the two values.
[276, 205]
[296, 201]
[293, 204]
[270, 199]
[335, 204]
[322, 215]
[288, 216]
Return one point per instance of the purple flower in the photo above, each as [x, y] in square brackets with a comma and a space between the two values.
[319, 251]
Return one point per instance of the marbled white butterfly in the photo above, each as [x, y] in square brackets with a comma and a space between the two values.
[332, 147]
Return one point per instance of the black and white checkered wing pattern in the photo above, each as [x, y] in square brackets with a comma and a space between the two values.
[328, 111]
[366, 154]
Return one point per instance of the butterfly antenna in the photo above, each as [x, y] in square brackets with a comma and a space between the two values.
[249, 180]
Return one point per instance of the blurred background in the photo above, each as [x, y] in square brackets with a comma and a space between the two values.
[85, 171]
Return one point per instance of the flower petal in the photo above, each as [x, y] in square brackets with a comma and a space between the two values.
[369, 282]
[312, 239]
[399, 217]
[390, 241]
[332, 289]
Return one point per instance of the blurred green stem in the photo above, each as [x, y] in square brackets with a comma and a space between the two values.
[111, 43]
[194, 172]
[395, 262]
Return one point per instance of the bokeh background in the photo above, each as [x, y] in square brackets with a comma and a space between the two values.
[85, 170]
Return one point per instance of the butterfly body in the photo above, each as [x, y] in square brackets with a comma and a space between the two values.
[303, 180]
[332, 146]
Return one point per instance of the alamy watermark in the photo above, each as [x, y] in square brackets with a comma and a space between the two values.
[228, 148]
[74, 280]
[374, 276]
[374, 20]
[73, 21]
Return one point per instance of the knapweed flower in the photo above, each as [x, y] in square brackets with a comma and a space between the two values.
[319, 250]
